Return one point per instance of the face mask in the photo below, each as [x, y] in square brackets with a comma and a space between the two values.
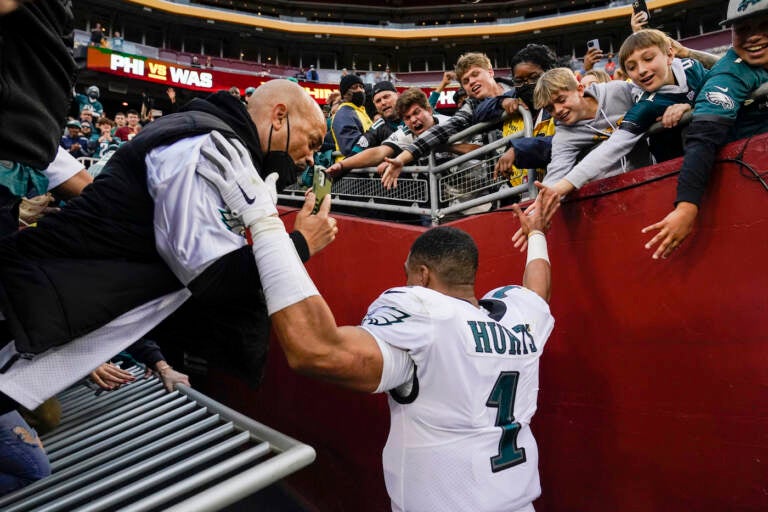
[358, 98]
[280, 162]
[525, 93]
[93, 95]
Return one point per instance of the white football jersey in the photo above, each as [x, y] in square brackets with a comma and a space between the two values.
[461, 439]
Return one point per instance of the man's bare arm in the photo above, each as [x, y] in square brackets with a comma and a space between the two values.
[534, 224]
[368, 158]
[74, 186]
[316, 347]
[707, 59]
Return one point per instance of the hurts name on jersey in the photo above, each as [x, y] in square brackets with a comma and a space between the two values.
[494, 338]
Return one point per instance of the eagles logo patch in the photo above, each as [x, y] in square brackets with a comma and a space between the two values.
[721, 99]
[233, 223]
[385, 315]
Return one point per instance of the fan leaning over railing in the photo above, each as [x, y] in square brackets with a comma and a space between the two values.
[435, 190]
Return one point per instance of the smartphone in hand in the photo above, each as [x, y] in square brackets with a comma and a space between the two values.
[593, 43]
[321, 186]
[640, 6]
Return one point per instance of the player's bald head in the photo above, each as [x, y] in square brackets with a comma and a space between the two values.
[287, 119]
[291, 94]
[449, 252]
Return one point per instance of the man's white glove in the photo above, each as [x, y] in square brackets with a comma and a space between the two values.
[271, 181]
[230, 170]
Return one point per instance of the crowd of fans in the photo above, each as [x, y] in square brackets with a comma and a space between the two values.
[589, 123]
[365, 112]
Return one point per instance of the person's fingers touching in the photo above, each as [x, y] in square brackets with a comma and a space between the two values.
[504, 165]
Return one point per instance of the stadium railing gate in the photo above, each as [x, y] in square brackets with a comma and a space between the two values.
[141, 448]
[434, 190]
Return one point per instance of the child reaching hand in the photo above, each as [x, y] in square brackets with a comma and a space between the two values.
[668, 87]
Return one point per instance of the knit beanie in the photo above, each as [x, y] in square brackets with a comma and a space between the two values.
[348, 81]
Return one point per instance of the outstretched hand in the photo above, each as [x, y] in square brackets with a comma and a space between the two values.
[335, 171]
[538, 215]
[318, 230]
[391, 172]
[110, 376]
[673, 229]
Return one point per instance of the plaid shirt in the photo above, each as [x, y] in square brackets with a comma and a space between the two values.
[463, 118]
[440, 133]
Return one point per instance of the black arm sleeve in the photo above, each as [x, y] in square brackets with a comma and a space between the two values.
[704, 138]
[301, 245]
[146, 351]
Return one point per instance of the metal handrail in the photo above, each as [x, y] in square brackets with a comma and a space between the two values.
[430, 204]
[178, 451]
[656, 128]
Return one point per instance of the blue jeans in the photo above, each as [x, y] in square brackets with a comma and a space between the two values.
[22, 457]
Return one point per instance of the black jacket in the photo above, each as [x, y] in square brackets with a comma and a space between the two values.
[96, 259]
[37, 72]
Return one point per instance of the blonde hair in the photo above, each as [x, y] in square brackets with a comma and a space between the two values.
[600, 75]
[469, 60]
[551, 83]
[642, 39]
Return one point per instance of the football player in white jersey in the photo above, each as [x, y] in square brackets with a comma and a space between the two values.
[462, 372]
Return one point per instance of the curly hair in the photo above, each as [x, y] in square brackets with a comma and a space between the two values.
[537, 54]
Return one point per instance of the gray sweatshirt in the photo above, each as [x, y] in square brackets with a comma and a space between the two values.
[571, 143]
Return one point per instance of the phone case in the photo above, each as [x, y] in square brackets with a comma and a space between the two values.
[321, 186]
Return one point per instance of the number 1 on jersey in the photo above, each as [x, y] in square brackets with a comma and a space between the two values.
[503, 398]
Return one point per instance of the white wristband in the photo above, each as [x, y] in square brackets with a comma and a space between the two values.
[283, 277]
[537, 247]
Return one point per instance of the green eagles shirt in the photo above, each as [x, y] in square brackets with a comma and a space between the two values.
[689, 76]
[725, 98]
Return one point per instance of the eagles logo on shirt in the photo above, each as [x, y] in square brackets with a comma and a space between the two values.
[385, 315]
[721, 99]
[233, 223]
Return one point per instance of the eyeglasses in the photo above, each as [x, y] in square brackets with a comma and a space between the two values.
[532, 79]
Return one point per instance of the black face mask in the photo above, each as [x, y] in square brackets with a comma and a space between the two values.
[280, 162]
[525, 93]
[93, 94]
[358, 98]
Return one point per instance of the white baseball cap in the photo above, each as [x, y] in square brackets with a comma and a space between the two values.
[740, 9]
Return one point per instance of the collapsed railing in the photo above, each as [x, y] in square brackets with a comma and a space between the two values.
[435, 190]
[141, 448]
